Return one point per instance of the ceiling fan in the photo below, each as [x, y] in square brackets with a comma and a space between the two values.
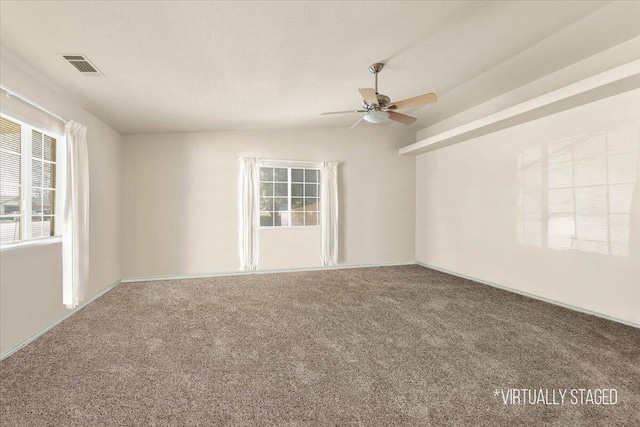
[379, 108]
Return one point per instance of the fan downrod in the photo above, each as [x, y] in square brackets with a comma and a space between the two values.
[375, 69]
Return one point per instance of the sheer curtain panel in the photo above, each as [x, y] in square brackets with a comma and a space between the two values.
[76, 217]
[329, 213]
[249, 211]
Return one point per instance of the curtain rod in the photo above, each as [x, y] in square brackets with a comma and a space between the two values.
[30, 102]
[290, 161]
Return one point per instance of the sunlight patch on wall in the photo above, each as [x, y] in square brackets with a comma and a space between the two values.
[530, 197]
[576, 193]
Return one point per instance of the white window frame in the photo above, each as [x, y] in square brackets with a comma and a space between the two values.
[26, 186]
[292, 164]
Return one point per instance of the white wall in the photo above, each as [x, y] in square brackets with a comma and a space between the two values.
[550, 207]
[181, 199]
[31, 278]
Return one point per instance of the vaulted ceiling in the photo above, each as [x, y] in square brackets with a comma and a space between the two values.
[195, 66]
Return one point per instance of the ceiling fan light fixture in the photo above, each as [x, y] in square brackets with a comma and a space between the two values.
[376, 116]
[378, 108]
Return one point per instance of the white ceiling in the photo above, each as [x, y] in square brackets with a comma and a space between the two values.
[194, 66]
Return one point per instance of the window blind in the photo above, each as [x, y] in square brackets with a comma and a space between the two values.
[10, 184]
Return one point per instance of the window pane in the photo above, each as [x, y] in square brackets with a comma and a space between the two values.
[276, 219]
[9, 200]
[297, 218]
[48, 228]
[36, 227]
[297, 190]
[49, 148]
[36, 201]
[36, 144]
[281, 204]
[280, 175]
[9, 229]
[296, 203]
[310, 175]
[311, 204]
[266, 220]
[283, 218]
[266, 174]
[48, 202]
[9, 135]
[311, 218]
[280, 190]
[311, 190]
[36, 171]
[9, 168]
[49, 175]
[266, 204]
[266, 189]
[297, 175]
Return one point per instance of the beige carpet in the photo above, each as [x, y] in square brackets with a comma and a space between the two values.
[373, 346]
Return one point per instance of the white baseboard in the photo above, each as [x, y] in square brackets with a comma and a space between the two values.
[57, 321]
[244, 273]
[338, 267]
[177, 277]
[527, 294]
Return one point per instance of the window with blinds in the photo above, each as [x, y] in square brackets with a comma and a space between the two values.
[27, 182]
[10, 181]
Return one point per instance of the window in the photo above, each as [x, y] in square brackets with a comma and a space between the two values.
[289, 196]
[28, 191]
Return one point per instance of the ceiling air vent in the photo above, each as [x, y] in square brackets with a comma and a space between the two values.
[82, 64]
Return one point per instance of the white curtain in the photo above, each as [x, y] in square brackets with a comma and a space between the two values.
[249, 212]
[76, 217]
[329, 213]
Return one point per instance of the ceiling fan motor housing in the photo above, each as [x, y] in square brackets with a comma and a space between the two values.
[383, 101]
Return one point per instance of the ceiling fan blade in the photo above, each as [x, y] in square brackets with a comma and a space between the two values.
[342, 112]
[401, 118]
[357, 123]
[369, 95]
[416, 101]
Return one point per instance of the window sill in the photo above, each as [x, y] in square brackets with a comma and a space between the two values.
[31, 243]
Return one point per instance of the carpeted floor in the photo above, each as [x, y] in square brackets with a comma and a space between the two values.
[372, 346]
